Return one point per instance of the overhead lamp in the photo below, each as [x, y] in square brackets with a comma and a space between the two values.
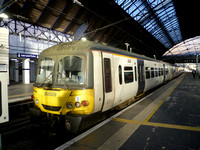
[83, 39]
[3, 15]
[13, 59]
[78, 3]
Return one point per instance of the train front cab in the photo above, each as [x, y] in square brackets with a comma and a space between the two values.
[64, 87]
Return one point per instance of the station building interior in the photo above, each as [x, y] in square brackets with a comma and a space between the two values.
[161, 29]
[164, 30]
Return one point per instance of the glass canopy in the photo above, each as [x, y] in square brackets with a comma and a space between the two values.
[157, 16]
[188, 48]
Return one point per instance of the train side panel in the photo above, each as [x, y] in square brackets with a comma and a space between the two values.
[153, 75]
[126, 85]
[98, 81]
[171, 72]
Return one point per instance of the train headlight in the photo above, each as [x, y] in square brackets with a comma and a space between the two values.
[36, 101]
[77, 104]
[69, 106]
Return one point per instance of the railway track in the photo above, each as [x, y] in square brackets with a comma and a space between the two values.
[19, 116]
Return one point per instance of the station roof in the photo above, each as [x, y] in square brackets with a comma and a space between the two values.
[151, 27]
[157, 17]
[187, 49]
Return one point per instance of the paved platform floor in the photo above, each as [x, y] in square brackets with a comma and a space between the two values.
[168, 118]
[19, 92]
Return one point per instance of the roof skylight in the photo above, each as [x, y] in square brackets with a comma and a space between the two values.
[157, 16]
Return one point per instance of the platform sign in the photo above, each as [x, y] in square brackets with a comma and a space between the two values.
[22, 55]
[3, 67]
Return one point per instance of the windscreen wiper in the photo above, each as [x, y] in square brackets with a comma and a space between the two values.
[63, 80]
[46, 79]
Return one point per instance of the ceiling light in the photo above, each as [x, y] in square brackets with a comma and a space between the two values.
[83, 39]
[2, 15]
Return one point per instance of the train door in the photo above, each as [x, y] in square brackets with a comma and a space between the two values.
[108, 74]
[141, 80]
[164, 73]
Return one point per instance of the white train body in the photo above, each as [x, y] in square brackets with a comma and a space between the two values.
[83, 78]
[124, 89]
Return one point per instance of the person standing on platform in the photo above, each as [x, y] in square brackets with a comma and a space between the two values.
[193, 73]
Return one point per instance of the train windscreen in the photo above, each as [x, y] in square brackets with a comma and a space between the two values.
[45, 71]
[70, 70]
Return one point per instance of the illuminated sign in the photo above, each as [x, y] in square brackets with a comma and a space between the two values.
[22, 55]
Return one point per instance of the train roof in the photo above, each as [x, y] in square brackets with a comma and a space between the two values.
[82, 47]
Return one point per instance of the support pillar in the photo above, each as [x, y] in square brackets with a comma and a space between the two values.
[26, 71]
[16, 71]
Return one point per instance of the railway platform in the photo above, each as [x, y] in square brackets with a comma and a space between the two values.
[168, 118]
[19, 92]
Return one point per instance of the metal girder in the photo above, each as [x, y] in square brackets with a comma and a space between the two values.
[4, 5]
[28, 30]
[160, 24]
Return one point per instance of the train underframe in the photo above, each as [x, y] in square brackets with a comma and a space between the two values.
[71, 123]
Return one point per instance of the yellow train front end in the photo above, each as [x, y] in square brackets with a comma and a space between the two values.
[63, 91]
[61, 101]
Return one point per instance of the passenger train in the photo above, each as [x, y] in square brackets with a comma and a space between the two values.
[80, 79]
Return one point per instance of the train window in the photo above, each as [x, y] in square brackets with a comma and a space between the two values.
[107, 72]
[128, 74]
[147, 72]
[135, 74]
[128, 77]
[156, 72]
[120, 74]
[128, 68]
[152, 72]
[45, 70]
[70, 70]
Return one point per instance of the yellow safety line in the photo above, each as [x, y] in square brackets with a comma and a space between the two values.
[147, 119]
[26, 94]
[162, 125]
